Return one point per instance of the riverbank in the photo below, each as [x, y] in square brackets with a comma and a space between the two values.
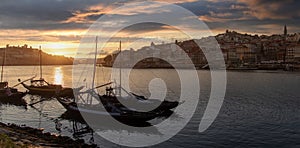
[266, 68]
[12, 135]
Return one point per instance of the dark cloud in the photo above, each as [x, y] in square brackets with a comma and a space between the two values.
[42, 14]
[41, 38]
[248, 15]
[54, 10]
[254, 16]
[274, 9]
[144, 27]
[41, 25]
[94, 17]
[198, 8]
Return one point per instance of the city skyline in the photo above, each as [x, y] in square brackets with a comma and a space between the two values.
[58, 25]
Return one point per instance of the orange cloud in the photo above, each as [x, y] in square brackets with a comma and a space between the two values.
[82, 16]
[132, 9]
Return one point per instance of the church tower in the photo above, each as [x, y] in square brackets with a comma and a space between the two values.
[285, 48]
[285, 32]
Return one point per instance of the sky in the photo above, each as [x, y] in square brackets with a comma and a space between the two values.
[59, 25]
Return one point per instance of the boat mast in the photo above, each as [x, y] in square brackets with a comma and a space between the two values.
[95, 62]
[120, 89]
[4, 57]
[41, 73]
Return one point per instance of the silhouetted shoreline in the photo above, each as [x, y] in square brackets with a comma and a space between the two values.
[23, 136]
[38, 65]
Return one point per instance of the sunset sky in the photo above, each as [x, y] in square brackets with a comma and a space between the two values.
[58, 25]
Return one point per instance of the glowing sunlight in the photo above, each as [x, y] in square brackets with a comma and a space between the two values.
[58, 76]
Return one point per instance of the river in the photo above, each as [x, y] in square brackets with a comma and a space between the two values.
[260, 109]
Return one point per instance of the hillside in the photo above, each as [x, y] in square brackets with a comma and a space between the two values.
[24, 55]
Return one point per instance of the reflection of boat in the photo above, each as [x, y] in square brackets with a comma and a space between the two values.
[8, 94]
[81, 129]
[104, 126]
[69, 115]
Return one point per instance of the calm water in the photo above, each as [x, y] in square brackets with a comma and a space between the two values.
[261, 109]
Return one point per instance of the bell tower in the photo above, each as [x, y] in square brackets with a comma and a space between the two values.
[285, 48]
[285, 32]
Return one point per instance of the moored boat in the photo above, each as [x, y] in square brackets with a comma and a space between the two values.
[9, 95]
[44, 88]
[121, 114]
[137, 100]
[109, 104]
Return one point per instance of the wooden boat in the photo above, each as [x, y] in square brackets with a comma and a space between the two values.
[110, 106]
[132, 99]
[109, 109]
[9, 95]
[137, 100]
[113, 107]
[123, 115]
[44, 88]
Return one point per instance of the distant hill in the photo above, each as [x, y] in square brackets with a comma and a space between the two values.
[24, 55]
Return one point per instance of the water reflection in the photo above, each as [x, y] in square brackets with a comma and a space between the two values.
[58, 75]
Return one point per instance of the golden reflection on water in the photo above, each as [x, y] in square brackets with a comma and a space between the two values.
[58, 76]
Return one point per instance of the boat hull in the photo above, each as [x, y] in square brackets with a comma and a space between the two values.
[40, 90]
[13, 99]
[92, 114]
[163, 105]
